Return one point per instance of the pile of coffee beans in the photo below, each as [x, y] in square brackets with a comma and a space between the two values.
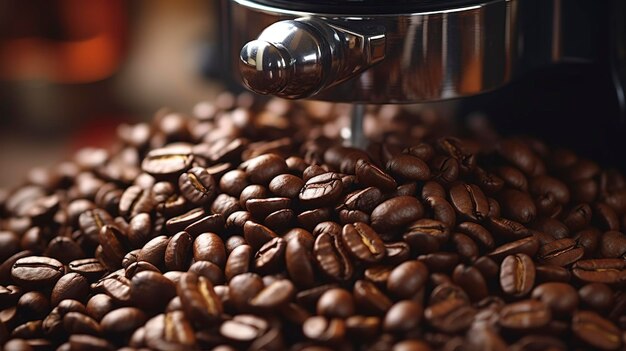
[248, 226]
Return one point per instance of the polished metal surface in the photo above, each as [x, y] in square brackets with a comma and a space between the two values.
[298, 58]
[427, 56]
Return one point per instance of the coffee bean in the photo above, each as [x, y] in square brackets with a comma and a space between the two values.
[336, 303]
[578, 217]
[612, 244]
[598, 296]
[238, 261]
[309, 219]
[507, 228]
[197, 186]
[605, 217]
[274, 295]
[178, 251]
[169, 331]
[397, 252]
[517, 205]
[92, 221]
[233, 182]
[561, 252]
[122, 322]
[552, 273]
[321, 190]
[331, 256]
[407, 279]
[139, 266]
[151, 290]
[396, 213]
[465, 246]
[270, 256]
[605, 270]
[199, 301]
[261, 169]
[33, 305]
[243, 328]
[153, 251]
[244, 287]
[526, 314]
[78, 323]
[517, 275]
[261, 208]
[299, 261]
[70, 286]
[209, 247]
[440, 261]
[469, 201]
[168, 162]
[370, 298]
[257, 235]
[426, 235]
[561, 298]
[403, 316]
[596, 331]
[450, 316]
[205, 269]
[447, 291]
[286, 185]
[36, 271]
[363, 242]
[408, 167]
[370, 175]
[470, 279]
[99, 305]
[441, 210]
[179, 223]
[528, 246]
[321, 329]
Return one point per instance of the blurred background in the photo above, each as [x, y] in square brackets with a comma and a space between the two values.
[72, 70]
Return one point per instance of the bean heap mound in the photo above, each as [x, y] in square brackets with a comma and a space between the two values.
[249, 227]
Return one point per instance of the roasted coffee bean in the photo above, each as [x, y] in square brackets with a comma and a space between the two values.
[179, 223]
[426, 235]
[523, 315]
[153, 251]
[397, 252]
[170, 331]
[578, 217]
[488, 181]
[528, 246]
[552, 273]
[370, 175]
[33, 305]
[407, 279]
[408, 167]
[507, 228]
[321, 190]
[151, 290]
[471, 280]
[309, 219]
[441, 210]
[178, 252]
[561, 298]
[363, 242]
[447, 291]
[139, 266]
[598, 296]
[553, 227]
[270, 256]
[370, 298]
[197, 186]
[335, 303]
[36, 271]
[517, 205]
[363, 200]
[122, 322]
[440, 261]
[321, 329]
[261, 169]
[561, 252]
[112, 241]
[596, 331]
[92, 221]
[331, 256]
[613, 244]
[244, 287]
[469, 201]
[78, 323]
[239, 261]
[403, 316]
[116, 285]
[243, 328]
[209, 247]
[99, 305]
[452, 315]
[90, 268]
[257, 235]
[261, 208]
[168, 162]
[478, 233]
[233, 182]
[517, 275]
[299, 260]
[135, 200]
[274, 295]
[286, 185]
[396, 213]
[445, 169]
[205, 269]
[70, 286]
[199, 301]
[279, 220]
[605, 270]
[465, 246]
[211, 223]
